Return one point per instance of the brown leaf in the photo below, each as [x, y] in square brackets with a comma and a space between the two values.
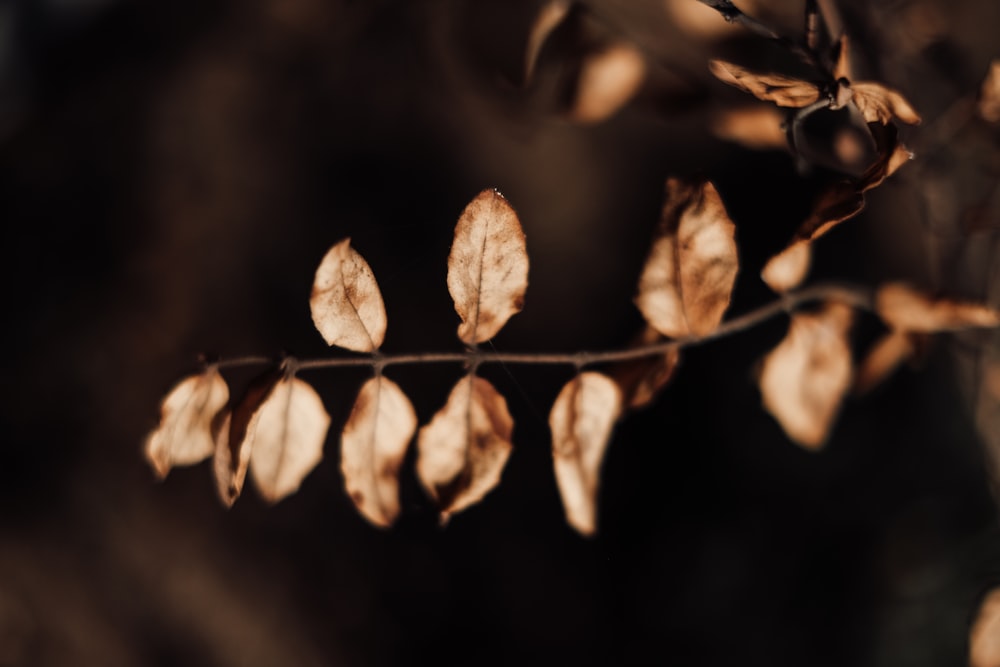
[373, 446]
[882, 360]
[581, 420]
[757, 128]
[487, 267]
[185, 434]
[984, 637]
[548, 19]
[804, 379]
[878, 103]
[788, 268]
[640, 380]
[989, 94]
[287, 441]
[233, 446]
[463, 450]
[346, 303]
[785, 91]
[688, 278]
[608, 80]
[904, 308]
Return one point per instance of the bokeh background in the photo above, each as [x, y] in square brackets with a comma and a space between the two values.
[172, 172]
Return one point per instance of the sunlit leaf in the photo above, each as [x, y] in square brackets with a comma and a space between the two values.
[878, 103]
[904, 308]
[882, 360]
[581, 420]
[608, 79]
[640, 380]
[287, 441]
[984, 638]
[185, 435]
[463, 450]
[548, 19]
[989, 94]
[487, 267]
[804, 379]
[346, 303]
[688, 278]
[785, 91]
[373, 446]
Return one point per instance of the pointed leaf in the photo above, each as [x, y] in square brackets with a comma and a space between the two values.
[487, 267]
[291, 428]
[185, 435]
[989, 94]
[880, 104]
[548, 19]
[785, 91]
[373, 446]
[640, 380]
[581, 420]
[688, 278]
[608, 80]
[346, 303]
[804, 379]
[984, 638]
[907, 309]
[885, 356]
[463, 450]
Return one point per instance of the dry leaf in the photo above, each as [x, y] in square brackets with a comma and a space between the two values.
[487, 267]
[608, 80]
[757, 128]
[989, 94]
[185, 434]
[785, 91]
[688, 278]
[984, 638]
[804, 379]
[581, 420]
[885, 356]
[346, 303]
[904, 308]
[373, 446]
[788, 268]
[548, 19]
[640, 380]
[464, 448]
[878, 103]
[287, 438]
[233, 446]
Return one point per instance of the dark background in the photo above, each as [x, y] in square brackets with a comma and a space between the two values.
[170, 175]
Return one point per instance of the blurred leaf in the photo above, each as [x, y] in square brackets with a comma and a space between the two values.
[548, 19]
[640, 380]
[984, 638]
[882, 360]
[373, 446]
[688, 278]
[487, 267]
[608, 79]
[581, 420]
[989, 94]
[758, 128]
[904, 308]
[785, 91]
[788, 268]
[346, 303]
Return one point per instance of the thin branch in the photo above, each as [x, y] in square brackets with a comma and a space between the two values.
[733, 14]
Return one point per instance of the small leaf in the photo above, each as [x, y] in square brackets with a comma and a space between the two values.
[984, 638]
[346, 303]
[788, 268]
[287, 442]
[185, 434]
[608, 80]
[581, 420]
[885, 356]
[640, 380]
[548, 19]
[487, 267]
[758, 128]
[688, 278]
[233, 446]
[804, 379]
[904, 308]
[989, 95]
[373, 446]
[878, 103]
[463, 450]
[785, 91]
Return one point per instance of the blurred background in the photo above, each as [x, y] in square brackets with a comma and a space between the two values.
[171, 174]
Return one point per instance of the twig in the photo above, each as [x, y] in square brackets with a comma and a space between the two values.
[733, 14]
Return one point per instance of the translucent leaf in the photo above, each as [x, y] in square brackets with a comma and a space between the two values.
[346, 303]
[373, 446]
[463, 450]
[804, 379]
[907, 309]
[608, 80]
[287, 442]
[232, 448]
[878, 103]
[785, 91]
[989, 94]
[581, 420]
[788, 268]
[984, 638]
[548, 19]
[487, 267]
[640, 380]
[882, 360]
[688, 278]
[185, 435]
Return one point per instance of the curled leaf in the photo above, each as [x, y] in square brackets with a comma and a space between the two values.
[688, 278]
[984, 638]
[640, 380]
[185, 435]
[487, 267]
[608, 80]
[989, 95]
[373, 446]
[878, 103]
[548, 19]
[785, 91]
[804, 379]
[904, 308]
[885, 356]
[463, 450]
[581, 420]
[287, 438]
[346, 303]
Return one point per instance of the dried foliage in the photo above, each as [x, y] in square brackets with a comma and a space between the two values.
[549, 17]
[906, 309]
[882, 360]
[346, 302]
[984, 639]
[785, 91]
[608, 79]
[989, 94]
